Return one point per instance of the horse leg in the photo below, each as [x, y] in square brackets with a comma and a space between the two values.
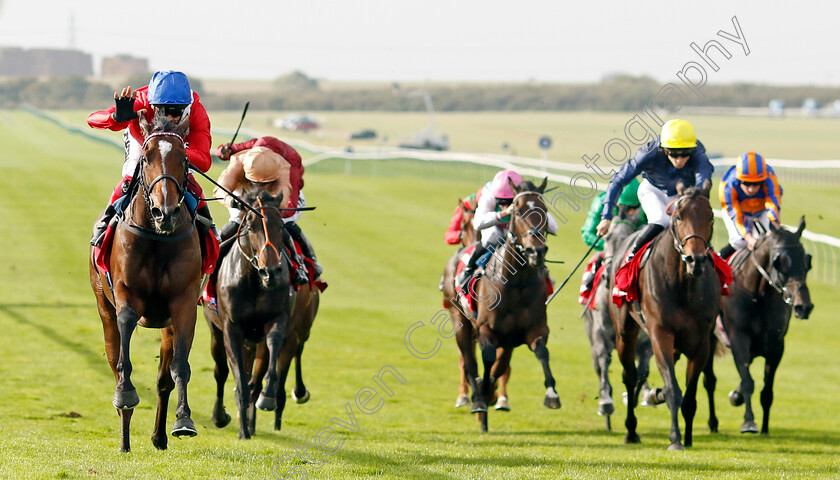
[663, 349]
[627, 331]
[464, 387]
[771, 363]
[487, 344]
[466, 345]
[284, 362]
[165, 385]
[183, 327]
[644, 352]
[694, 366]
[274, 342]
[741, 355]
[234, 345]
[501, 371]
[125, 395]
[710, 382]
[217, 348]
[258, 370]
[552, 399]
[112, 351]
[300, 394]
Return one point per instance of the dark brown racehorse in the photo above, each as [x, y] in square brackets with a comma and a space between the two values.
[680, 298]
[254, 305]
[155, 276]
[468, 236]
[511, 302]
[769, 285]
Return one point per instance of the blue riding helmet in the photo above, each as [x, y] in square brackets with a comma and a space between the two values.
[168, 87]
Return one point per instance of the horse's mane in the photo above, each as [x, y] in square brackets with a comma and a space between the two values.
[527, 186]
[693, 192]
[253, 194]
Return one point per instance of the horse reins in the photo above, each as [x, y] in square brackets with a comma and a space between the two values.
[679, 245]
[780, 287]
[147, 189]
[253, 258]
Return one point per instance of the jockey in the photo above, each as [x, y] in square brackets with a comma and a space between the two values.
[168, 92]
[628, 198]
[453, 233]
[492, 216]
[675, 157]
[749, 192]
[275, 166]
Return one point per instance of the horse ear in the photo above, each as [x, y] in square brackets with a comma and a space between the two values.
[183, 126]
[706, 188]
[145, 126]
[542, 186]
[801, 226]
[513, 185]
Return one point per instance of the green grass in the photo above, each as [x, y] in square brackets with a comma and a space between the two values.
[380, 240]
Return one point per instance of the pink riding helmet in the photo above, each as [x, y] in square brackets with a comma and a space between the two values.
[500, 186]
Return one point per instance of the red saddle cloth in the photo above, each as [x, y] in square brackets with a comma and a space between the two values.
[585, 296]
[627, 277]
[209, 252]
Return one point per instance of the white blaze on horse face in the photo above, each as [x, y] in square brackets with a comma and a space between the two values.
[164, 146]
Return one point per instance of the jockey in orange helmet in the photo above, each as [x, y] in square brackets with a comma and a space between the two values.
[749, 192]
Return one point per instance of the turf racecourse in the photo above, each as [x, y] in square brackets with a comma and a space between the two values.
[380, 240]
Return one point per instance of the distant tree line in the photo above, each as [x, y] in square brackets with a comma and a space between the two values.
[298, 92]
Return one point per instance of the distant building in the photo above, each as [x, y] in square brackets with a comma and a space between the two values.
[124, 65]
[35, 62]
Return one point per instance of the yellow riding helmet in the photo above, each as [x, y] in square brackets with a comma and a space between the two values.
[677, 134]
[751, 168]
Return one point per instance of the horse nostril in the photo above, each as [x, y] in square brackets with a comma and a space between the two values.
[157, 213]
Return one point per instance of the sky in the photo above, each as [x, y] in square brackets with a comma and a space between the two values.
[443, 40]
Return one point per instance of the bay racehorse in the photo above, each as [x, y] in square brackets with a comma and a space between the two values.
[511, 302]
[679, 295]
[468, 236]
[770, 284]
[253, 306]
[599, 326]
[153, 279]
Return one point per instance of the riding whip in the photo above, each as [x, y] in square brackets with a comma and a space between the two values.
[585, 255]
[244, 111]
[195, 169]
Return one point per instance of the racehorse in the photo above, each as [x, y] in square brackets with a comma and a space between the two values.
[253, 306]
[153, 279]
[679, 293]
[769, 285]
[599, 326]
[468, 236]
[511, 302]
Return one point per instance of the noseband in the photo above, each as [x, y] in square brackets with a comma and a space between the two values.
[253, 258]
[679, 245]
[147, 189]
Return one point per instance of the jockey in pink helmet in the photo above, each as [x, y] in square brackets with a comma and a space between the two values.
[492, 216]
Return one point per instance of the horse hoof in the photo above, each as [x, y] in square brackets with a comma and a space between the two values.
[303, 399]
[675, 447]
[266, 403]
[479, 407]
[749, 427]
[462, 401]
[552, 400]
[126, 400]
[634, 438]
[654, 397]
[606, 409]
[184, 427]
[159, 443]
[502, 404]
[736, 398]
[223, 421]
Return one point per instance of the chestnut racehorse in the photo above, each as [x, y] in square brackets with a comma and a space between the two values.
[155, 277]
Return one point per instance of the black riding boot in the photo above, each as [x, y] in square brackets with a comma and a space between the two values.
[207, 222]
[727, 251]
[472, 264]
[101, 225]
[308, 251]
[301, 277]
[589, 275]
[228, 231]
[649, 233]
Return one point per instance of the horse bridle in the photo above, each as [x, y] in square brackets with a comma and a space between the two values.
[147, 189]
[513, 237]
[679, 245]
[781, 285]
[253, 257]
